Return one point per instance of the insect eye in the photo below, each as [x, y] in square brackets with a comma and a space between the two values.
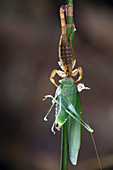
[57, 126]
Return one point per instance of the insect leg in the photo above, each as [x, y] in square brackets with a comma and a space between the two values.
[53, 102]
[76, 71]
[48, 96]
[69, 108]
[52, 128]
[62, 17]
[60, 73]
[81, 87]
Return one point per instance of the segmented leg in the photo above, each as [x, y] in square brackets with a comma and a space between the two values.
[60, 73]
[76, 71]
[62, 17]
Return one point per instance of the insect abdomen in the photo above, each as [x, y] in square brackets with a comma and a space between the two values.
[66, 55]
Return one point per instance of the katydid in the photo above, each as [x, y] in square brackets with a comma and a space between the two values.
[68, 108]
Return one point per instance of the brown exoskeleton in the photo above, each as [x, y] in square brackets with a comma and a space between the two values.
[66, 54]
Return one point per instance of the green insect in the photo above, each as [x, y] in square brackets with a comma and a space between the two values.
[68, 108]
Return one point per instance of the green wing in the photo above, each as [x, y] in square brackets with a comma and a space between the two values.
[74, 129]
[69, 108]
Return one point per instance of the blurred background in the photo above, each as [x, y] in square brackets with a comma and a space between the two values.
[29, 36]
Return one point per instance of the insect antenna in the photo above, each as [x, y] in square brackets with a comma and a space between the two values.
[95, 147]
[98, 158]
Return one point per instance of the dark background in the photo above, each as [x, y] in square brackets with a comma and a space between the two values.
[29, 36]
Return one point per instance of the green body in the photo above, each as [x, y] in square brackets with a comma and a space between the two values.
[70, 92]
[68, 108]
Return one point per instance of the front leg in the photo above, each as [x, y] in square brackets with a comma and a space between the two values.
[76, 71]
[59, 72]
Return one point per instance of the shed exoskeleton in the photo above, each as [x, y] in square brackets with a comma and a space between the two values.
[67, 59]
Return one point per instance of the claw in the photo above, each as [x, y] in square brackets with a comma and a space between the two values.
[52, 128]
[47, 96]
[45, 119]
